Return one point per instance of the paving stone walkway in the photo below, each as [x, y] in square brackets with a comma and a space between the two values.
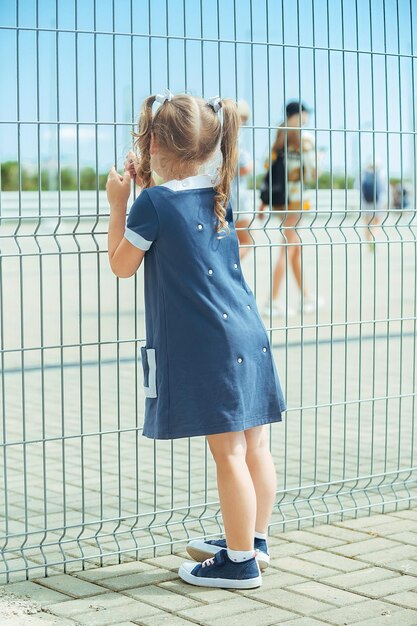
[80, 480]
[361, 571]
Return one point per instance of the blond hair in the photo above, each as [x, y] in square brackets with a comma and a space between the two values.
[188, 130]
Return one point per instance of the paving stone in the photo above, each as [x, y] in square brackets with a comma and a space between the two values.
[139, 579]
[304, 621]
[129, 612]
[407, 599]
[162, 598]
[407, 514]
[384, 588]
[358, 612]
[292, 601]
[383, 557]
[404, 617]
[394, 528]
[260, 617]
[405, 536]
[35, 592]
[345, 534]
[71, 586]
[163, 619]
[335, 561]
[92, 603]
[203, 594]
[305, 568]
[170, 561]
[274, 580]
[226, 608]
[368, 546]
[352, 580]
[367, 520]
[289, 548]
[233, 613]
[312, 539]
[276, 540]
[332, 595]
[406, 566]
[110, 571]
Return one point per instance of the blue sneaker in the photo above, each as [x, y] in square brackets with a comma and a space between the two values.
[201, 549]
[220, 571]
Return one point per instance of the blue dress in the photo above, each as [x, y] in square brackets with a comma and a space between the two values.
[207, 363]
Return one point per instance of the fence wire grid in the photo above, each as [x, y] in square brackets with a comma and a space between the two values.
[81, 486]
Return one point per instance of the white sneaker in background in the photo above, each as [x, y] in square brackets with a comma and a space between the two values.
[311, 305]
[277, 309]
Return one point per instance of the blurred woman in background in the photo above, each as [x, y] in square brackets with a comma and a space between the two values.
[292, 164]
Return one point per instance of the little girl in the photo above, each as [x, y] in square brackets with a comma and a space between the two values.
[208, 368]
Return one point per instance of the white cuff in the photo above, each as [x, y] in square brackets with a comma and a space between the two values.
[137, 240]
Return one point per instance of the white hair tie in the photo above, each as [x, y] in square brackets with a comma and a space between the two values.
[215, 103]
[161, 98]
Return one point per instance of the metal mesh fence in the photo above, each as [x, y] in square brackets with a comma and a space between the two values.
[80, 484]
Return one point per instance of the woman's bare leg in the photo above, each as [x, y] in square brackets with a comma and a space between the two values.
[279, 272]
[262, 470]
[244, 237]
[372, 222]
[297, 269]
[291, 237]
[236, 489]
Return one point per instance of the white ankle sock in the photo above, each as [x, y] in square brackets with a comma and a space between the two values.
[238, 556]
[260, 535]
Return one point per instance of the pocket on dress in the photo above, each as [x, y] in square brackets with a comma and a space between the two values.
[149, 371]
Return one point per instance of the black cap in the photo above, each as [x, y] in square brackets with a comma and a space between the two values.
[294, 107]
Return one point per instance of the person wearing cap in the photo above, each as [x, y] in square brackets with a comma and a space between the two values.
[296, 150]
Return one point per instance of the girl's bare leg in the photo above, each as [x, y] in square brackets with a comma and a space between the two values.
[262, 470]
[236, 489]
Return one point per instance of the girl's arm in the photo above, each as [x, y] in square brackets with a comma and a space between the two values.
[308, 158]
[124, 258]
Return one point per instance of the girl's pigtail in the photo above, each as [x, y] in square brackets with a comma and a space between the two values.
[228, 146]
[143, 143]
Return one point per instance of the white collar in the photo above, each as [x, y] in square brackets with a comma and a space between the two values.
[201, 181]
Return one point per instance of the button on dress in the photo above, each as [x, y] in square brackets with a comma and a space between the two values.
[207, 363]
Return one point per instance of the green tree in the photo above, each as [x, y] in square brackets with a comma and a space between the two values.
[68, 179]
[10, 176]
[88, 178]
[102, 180]
[337, 181]
[30, 182]
[48, 180]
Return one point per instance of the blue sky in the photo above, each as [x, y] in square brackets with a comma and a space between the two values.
[99, 78]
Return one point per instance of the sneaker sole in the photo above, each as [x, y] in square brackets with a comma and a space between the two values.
[222, 583]
[199, 555]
